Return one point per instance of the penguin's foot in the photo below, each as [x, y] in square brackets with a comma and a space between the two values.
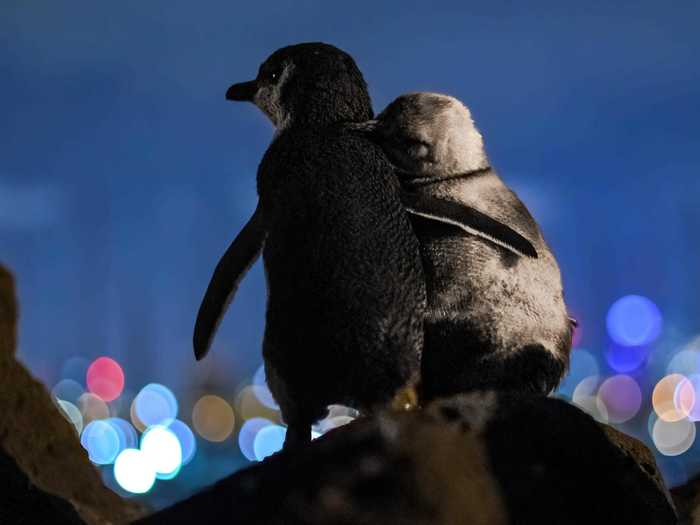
[405, 399]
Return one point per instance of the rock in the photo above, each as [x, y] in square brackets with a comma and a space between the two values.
[22, 503]
[687, 500]
[482, 458]
[40, 440]
[555, 464]
[8, 314]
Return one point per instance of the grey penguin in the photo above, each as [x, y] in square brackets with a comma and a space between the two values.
[346, 292]
[496, 316]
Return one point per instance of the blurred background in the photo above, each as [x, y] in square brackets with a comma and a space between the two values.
[124, 174]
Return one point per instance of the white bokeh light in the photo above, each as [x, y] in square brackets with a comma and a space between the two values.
[134, 472]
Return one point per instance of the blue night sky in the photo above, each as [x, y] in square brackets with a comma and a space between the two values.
[124, 173]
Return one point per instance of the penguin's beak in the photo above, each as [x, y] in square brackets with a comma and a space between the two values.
[245, 91]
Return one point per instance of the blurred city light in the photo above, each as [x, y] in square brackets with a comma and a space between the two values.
[101, 441]
[155, 404]
[126, 433]
[185, 436]
[583, 364]
[634, 320]
[163, 450]
[269, 440]
[68, 390]
[134, 471]
[213, 418]
[625, 359]
[249, 404]
[261, 390]
[672, 438]
[92, 407]
[586, 398]
[72, 413]
[105, 378]
[673, 398]
[75, 368]
[247, 434]
[621, 397]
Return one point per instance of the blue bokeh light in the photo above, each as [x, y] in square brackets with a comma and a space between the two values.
[247, 434]
[75, 368]
[625, 359]
[155, 404]
[686, 362]
[101, 441]
[634, 320]
[68, 390]
[269, 440]
[185, 436]
[262, 391]
[125, 431]
[583, 364]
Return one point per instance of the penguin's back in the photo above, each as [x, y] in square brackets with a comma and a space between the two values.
[486, 304]
[346, 290]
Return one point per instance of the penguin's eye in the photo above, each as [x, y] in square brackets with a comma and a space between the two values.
[273, 75]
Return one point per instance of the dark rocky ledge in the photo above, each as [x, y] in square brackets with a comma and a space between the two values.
[479, 459]
[482, 458]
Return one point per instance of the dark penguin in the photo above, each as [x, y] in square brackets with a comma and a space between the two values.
[496, 315]
[346, 292]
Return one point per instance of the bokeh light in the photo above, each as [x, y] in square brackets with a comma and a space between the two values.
[672, 438]
[269, 440]
[622, 398]
[249, 405]
[673, 398]
[68, 390]
[105, 378]
[625, 359]
[135, 420]
[121, 405]
[134, 472]
[75, 368]
[72, 413]
[101, 441]
[92, 408]
[185, 436]
[583, 364]
[246, 436]
[685, 362]
[126, 433]
[155, 404]
[694, 413]
[586, 398]
[163, 449]
[212, 418]
[634, 320]
[261, 390]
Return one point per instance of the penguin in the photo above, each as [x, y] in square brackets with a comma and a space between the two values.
[496, 316]
[346, 292]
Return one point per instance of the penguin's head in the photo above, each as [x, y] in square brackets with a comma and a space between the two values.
[430, 135]
[307, 84]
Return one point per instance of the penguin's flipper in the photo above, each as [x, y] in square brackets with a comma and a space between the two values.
[232, 267]
[470, 220]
